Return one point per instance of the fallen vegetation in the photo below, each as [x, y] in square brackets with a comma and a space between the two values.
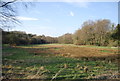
[59, 61]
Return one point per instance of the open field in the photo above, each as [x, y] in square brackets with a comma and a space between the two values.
[59, 61]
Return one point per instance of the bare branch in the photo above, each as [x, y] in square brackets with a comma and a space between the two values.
[7, 3]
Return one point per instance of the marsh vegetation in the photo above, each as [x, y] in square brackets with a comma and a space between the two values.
[59, 61]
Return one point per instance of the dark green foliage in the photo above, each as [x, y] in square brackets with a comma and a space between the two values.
[21, 38]
[116, 34]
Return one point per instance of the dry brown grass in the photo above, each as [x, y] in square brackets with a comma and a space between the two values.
[74, 51]
[84, 53]
[71, 51]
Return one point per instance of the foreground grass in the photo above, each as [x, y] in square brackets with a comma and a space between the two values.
[40, 62]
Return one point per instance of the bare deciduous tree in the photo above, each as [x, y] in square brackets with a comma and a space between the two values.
[8, 13]
[93, 32]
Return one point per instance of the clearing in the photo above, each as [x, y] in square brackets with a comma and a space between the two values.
[59, 61]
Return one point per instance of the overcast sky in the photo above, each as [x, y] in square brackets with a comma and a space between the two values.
[57, 18]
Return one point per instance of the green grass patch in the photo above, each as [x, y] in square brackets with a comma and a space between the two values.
[27, 63]
[106, 51]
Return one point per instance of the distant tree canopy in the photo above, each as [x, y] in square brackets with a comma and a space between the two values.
[21, 38]
[96, 33]
[65, 39]
[100, 33]
[116, 34]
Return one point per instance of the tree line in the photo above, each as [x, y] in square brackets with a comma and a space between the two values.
[99, 33]
[21, 38]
